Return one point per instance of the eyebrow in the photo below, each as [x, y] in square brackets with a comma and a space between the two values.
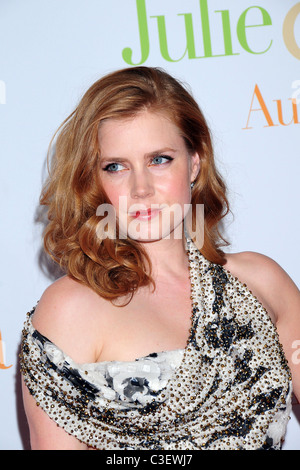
[147, 155]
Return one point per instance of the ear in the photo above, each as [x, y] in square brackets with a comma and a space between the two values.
[194, 166]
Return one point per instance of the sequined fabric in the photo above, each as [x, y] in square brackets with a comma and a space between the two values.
[230, 388]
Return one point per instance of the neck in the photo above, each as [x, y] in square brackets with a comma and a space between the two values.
[168, 257]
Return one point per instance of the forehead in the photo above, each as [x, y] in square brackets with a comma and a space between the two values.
[141, 132]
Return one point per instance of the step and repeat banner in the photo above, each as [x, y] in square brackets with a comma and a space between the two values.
[242, 62]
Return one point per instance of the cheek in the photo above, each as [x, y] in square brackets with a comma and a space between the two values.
[113, 192]
[179, 189]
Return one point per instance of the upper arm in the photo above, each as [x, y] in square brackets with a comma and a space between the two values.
[287, 308]
[66, 314]
[281, 298]
[45, 434]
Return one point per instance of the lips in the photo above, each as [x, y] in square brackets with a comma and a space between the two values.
[144, 214]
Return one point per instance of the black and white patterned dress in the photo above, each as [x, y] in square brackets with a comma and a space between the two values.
[230, 388]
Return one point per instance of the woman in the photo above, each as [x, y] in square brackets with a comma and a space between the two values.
[154, 338]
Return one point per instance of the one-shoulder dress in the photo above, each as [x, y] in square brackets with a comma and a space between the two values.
[228, 389]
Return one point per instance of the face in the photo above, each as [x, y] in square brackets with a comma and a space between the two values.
[146, 172]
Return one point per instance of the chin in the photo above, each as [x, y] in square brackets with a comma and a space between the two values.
[148, 235]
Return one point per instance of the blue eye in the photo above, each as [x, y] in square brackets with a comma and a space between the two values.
[158, 160]
[112, 167]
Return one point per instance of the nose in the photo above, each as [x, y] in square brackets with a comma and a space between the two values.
[141, 186]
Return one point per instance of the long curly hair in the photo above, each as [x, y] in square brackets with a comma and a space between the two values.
[116, 268]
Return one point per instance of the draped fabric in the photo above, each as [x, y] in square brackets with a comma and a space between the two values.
[230, 388]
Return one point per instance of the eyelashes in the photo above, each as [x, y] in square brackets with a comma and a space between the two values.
[110, 167]
[113, 167]
[166, 157]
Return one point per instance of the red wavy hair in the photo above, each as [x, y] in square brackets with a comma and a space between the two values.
[72, 192]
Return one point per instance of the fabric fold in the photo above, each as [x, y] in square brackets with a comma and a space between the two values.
[230, 388]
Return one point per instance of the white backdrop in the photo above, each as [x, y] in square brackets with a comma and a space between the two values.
[241, 60]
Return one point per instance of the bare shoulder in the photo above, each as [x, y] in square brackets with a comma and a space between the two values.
[257, 265]
[67, 314]
[267, 280]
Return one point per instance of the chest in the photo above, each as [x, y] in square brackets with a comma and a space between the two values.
[151, 322]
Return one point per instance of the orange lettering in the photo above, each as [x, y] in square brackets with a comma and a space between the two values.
[2, 365]
[295, 112]
[262, 108]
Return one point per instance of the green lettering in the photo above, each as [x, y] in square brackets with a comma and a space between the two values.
[205, 28]
[226, 32]
[190, 49]
[206, 31]
[190, 38]
[190, 41]
[162, 34]
[144, 36]
[241, 29]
